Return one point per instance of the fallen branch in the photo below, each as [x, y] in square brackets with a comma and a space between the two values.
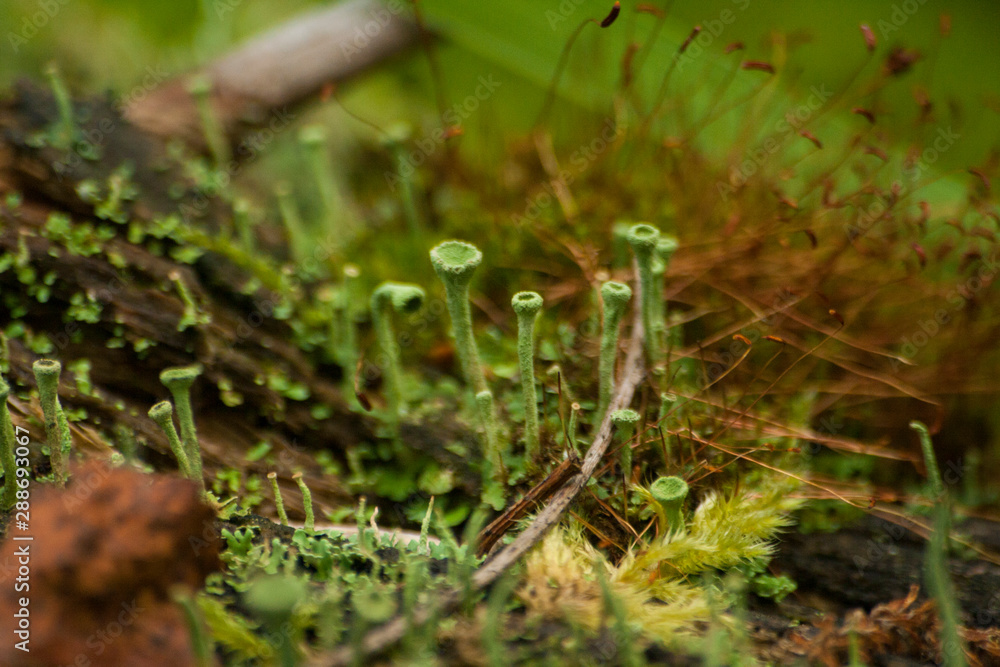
[280, 68]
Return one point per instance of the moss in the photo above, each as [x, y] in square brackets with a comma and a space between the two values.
[84, 308]
[81, 375]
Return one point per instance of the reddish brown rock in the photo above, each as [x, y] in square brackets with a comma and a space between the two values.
[104, 555]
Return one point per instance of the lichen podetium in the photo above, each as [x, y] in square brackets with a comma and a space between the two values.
[527, 305]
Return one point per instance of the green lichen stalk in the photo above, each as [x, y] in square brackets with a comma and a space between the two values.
[279, 502]
[163, 414]
[616, 297]
[396, 142]
[625, 421]
[346, 350]
[527, 305]
[936, 573]
[313, 141]
[665, 249]
[455, 262]
[200, 88]
[244, 226]
[644, 238]
[64, 131]
[493, 470]
[8, 443]
[402, 298]
[933, 472]
[178, 381]
[56, 427]
[669, 494]
[487, 415]
[307, 503]
[298, 239]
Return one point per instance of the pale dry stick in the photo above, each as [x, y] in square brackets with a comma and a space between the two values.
[280, 68]
[384, 637]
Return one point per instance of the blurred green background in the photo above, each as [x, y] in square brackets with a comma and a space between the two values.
[116, 44]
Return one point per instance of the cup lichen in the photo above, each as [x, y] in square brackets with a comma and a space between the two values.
[402, 298]
[178, 381]
[615, 297]
[454, 263]
[57, 433]
[162, 413]
[644, 238]
[527, 305]
[669, 494]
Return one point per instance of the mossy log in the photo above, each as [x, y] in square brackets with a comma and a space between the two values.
[139, 321]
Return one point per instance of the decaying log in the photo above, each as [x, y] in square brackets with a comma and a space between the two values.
[138, 294]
